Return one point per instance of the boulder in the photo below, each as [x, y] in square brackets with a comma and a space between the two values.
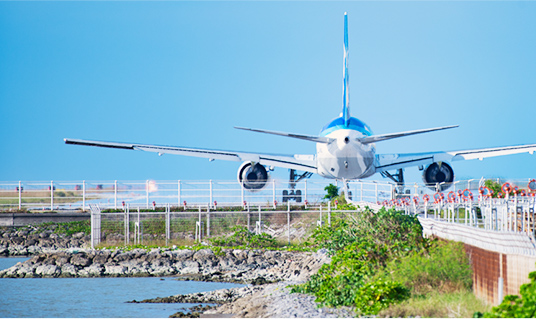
[80, 260]
[68, 270]
[47, 270]
[115, 270]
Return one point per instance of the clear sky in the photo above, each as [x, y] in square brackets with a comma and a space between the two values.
[185, 73]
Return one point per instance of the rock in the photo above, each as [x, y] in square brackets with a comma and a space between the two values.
[187, 267]
[79, 235]
[115, 270]
[95, 270]
[47, 270]
[183, 254]
[203, 254]
[80, 260]
[68, 270]
[101, 257]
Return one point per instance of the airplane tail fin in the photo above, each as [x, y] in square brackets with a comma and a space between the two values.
[345, 93]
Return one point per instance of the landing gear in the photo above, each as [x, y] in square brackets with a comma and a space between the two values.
[398, 178]
[294, 194]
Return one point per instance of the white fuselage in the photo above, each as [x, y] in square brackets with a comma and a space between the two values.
[346, 157]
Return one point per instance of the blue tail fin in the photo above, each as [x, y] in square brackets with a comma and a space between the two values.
[345, 93]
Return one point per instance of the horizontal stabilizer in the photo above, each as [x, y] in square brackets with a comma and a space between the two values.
[318, 139]
[383, 137]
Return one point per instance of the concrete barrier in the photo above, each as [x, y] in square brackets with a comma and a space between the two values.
[23, 219]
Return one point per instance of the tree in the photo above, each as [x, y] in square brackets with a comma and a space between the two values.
[333, 191]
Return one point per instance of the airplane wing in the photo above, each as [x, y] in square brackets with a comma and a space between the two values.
[298, 162]
[385, 162]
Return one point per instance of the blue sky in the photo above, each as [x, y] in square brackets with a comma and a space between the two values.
[185, 73]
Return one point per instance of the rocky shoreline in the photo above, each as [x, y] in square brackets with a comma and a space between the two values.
[266, 273]
[30, 241]
[240, 266]
[265, 301]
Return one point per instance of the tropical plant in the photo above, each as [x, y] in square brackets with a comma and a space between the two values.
[332, 191]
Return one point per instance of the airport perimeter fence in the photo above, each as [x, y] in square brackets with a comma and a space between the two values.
[77, 195]
[167, 227]
[472, 204]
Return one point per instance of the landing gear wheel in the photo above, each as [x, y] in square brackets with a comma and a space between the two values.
[298, 196]
[285, 196]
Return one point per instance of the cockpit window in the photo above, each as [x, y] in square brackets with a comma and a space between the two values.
[338, 123]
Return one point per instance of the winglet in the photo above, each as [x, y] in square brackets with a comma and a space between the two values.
[345, 93]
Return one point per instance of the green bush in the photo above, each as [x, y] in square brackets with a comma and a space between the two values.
[70, 228]
[443, 266]
[242, 237]
[515, 306]
[361, 244]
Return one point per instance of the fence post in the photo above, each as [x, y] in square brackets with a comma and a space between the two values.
[147, 193]
[179, 193]
[242, 192]
[83, 195]
[208, 220]
[127, 224]
[249, 221]
[329, 214]
[305, 191]
[115, 194]
[95, 225]
[140, 236]
[273, 192]
[20, 195]
[210, 195]
[258, 225]
[51, 195]
[288, 226]
[168, 224]
[320, 221]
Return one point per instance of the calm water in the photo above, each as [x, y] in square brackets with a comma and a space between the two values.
[92, 297]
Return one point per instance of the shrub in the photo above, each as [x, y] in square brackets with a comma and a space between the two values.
[361, 244]
[241, 236]
[515, 306]
[443, 266]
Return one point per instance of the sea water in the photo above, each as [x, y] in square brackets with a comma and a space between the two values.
[93, 297]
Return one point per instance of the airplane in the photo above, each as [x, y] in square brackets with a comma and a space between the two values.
[345, 150]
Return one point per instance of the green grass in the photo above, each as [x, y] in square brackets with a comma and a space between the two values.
[456, 304]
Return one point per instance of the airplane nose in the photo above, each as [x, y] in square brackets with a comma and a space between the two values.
[347, 139]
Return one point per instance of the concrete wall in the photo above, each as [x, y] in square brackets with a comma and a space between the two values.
[23, 219]
[501, 261]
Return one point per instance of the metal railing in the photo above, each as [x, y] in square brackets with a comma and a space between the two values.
[471, 203]
[54, 195]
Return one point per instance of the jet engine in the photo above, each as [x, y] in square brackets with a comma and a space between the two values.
[253, 176]
[436, 174]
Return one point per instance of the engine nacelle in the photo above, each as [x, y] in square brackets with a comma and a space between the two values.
[437, 173]
[252, 176]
